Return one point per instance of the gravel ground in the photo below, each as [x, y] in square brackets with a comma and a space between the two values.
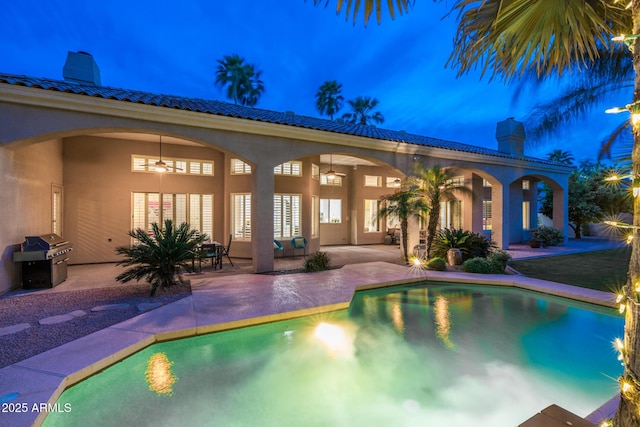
[31, 307]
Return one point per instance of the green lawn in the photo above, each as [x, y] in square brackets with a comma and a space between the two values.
[604, 270]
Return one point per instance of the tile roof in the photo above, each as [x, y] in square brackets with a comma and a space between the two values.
[249, 113]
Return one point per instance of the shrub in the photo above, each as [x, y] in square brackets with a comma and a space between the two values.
[479, 265]
[159, 257]
[438, 264]
[471, 244]
[500, 258]
[317, 261]
[548, 235]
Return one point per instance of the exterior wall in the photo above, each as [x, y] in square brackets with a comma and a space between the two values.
[28, 174]
[33, 116]
[98, 185]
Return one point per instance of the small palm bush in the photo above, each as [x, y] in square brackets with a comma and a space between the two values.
[437, 264]
[317, 261]
[471, 244]
[158, 258]
[549, 235]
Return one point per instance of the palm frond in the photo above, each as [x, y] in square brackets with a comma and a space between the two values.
[571, 106]
[620, 135]
[549, 36]
[401, 6]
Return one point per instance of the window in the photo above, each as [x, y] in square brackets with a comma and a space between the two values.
[487, 215]
[201, 213]
[315, 171]
[288, 168]
[392, 220]
[526, 215]
[314, 216]
[331, 211]
[238, 167]
[56, 209]
[182, 166]
[451, 214]
[286, 215]
[393, 181]
[371, 220]
[456, 181]
[324, 180]
[525, 184]
[372, 181]
[486, 183]
[241, 216]
[147, 209]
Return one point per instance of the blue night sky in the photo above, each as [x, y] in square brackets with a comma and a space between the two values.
[172, 47]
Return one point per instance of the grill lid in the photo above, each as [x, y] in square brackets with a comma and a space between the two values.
[42, 243]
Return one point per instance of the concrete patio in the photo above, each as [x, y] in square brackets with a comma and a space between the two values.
[232, 299]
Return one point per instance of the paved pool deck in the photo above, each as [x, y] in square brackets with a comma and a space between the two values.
[225, 302]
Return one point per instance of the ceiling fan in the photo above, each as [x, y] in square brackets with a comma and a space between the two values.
[160, 165]
[331, 174]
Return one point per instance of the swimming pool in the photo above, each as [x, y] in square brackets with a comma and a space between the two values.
[421, 355]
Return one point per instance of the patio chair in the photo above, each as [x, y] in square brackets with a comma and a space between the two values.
[277, 247]
[299, 242]
[225, 252]
[212, 252]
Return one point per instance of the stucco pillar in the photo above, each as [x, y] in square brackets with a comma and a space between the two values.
[262, 218]
[501, 211]
[561, 209]
[514, 227]
[473, 216]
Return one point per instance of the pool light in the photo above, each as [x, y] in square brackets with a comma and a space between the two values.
[333, 337]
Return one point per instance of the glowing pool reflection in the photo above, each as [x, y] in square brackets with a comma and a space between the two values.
[412, 356]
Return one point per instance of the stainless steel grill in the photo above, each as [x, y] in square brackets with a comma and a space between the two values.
[44, 260]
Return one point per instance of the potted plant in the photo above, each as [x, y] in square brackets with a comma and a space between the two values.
[535, 243]
[454, 256]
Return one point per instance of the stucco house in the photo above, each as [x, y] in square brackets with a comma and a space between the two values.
[77, 160]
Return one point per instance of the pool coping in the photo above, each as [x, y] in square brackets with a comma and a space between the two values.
[231, 302]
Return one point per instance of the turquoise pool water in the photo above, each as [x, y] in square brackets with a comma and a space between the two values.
[421, 355]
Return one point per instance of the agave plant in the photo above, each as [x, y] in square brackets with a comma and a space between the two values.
[472, 245]
[160, 256]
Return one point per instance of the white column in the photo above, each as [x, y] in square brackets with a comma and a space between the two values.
[262, 218]
[501, 210]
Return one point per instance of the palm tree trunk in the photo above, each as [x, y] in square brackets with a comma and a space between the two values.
[628, 413]
[404, 228]
[434, 218]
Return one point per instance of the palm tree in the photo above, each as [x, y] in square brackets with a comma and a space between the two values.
[363, 107]
[243, 82]
[561, 156]
[436, 186]
[507, 38]
[254, 86]
[158, 257]
[404, 204]
[329, 99]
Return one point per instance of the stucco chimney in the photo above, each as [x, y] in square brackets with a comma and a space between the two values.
[80, 67]
[510, 136]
